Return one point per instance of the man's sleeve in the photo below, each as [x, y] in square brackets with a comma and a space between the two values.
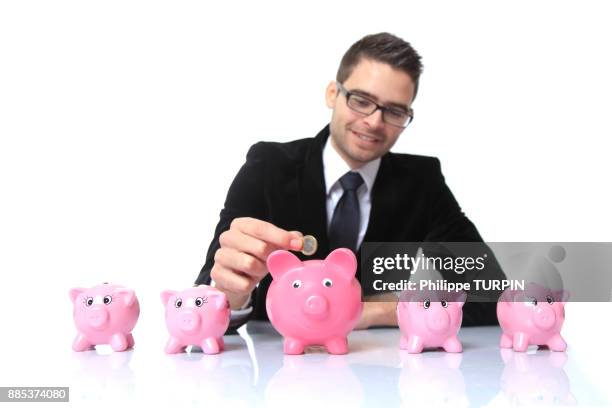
[245, 198]
[448, 223]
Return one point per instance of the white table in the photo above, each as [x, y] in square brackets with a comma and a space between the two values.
[253, 371]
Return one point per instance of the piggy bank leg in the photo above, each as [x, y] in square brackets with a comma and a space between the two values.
[130, 341]
[293, 346]
[414, 344]
[520, 342]
[81, 343]
[119, 342]
[173, 346]
[337, 346]
[453, 345]
[221, 343]
[210, 346]
[557, 343]
[505, 341]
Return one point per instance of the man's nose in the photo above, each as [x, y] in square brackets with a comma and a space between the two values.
[375, 119]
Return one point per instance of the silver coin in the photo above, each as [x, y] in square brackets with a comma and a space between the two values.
[309, 245]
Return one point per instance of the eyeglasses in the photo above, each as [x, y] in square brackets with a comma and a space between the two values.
[361, 104]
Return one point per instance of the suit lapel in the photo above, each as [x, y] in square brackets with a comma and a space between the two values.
[384, 201]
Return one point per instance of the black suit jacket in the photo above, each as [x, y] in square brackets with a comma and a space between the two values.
[283, 183]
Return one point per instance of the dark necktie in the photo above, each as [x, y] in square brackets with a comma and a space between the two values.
[344, 227]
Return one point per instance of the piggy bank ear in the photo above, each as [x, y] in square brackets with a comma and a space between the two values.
[218, 300]
[166, 295]
[75, 292]
[127, 295]
[345, 260]
[280, 261]
[561, 296]
[459, 298]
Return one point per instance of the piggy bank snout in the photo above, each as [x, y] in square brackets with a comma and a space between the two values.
[544, 317]
[316, 306]
[437, 321]
[97, 317]
[188, 321]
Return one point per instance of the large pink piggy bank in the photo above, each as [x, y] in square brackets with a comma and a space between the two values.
[104, 314]
[196, 316]
[430, 319]
[534, 315]
[314, 302]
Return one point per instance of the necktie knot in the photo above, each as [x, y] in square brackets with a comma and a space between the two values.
[351, 181]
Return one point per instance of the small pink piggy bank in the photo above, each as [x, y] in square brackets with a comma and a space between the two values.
[314, 302]
[196, 316]
[430, 319]
[534, 315]
[104, 314]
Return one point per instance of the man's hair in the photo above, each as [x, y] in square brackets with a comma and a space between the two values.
[386, 48]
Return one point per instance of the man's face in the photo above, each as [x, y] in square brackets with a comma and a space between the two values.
[359, 138]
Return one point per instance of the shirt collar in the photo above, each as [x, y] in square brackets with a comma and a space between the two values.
[335, 167]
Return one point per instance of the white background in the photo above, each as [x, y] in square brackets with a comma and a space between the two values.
[122, 124]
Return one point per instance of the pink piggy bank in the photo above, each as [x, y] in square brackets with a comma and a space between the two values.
[314, 302]
[104, 314]
[196, 316]
[532, 316]
[430, 319]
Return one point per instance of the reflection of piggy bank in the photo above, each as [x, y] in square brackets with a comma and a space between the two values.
[314, 302]
[430, 319]
[532, 316]
[321, 381]
[432, 380]
[196, 316]
[535, 379]
[104, 314]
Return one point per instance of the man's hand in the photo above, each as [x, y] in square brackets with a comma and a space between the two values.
[378, 310]
[240, 263]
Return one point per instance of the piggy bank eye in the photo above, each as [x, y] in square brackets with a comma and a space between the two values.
[426, 303]
[200, 301]
[444, 303]
[107, 300]
[89, 301]
[327, 283]
[178, 303]
[531, 301]
[297, 283]
[550, 299]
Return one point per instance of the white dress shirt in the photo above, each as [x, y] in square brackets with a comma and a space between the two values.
[335, 167]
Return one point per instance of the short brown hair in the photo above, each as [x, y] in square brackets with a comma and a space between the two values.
[386, 48]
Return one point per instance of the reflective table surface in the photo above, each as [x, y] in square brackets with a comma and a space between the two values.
[253, 371]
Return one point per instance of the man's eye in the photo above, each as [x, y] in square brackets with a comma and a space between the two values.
[360, 102]
[395, 114]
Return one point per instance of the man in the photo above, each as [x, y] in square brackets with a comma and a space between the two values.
[343, 186]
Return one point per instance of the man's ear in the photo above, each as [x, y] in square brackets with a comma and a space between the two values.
[331, 93]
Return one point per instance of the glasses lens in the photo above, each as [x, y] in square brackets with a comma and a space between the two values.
[396, 117]
[361, 105]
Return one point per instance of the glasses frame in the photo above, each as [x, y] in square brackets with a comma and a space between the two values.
[383, 109]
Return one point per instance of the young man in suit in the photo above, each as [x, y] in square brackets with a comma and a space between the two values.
[342, 186]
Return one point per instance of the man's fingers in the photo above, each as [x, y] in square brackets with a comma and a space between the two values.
[268, 232]
[245, 243]
[241, 262]
[231, 281]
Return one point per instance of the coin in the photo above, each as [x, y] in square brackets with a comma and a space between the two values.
[309, 245]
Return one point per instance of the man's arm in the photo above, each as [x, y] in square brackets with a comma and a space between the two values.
[448, 223]
[236, 258]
